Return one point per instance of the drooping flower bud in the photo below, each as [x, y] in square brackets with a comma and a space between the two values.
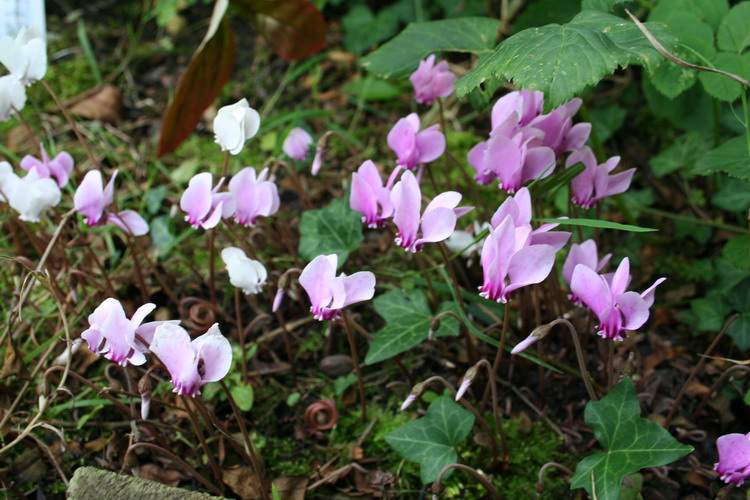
[537, 334]
[469, 377]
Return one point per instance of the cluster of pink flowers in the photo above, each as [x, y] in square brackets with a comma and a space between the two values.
[124, 341]
[92, 199]
[525, 145]
[249, 197]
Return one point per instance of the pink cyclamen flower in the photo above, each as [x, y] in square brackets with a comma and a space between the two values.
[329, 293]
[559, 132]
[204, 206]
[369, 197]
[297, 144]
[734, 458]
[59, 167]
[112, 335]
[412, 146]
[526, 104]
[518, 207]
[192, 364]
[436, 223]
[585, 254]
[510, 261]
[92, 198]
[432, 81]
[595, 182]
[616, 309]
[253, 196]
[513, 157]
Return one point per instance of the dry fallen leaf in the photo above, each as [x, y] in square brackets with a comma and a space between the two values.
[291, 487]
[243, 482]
[102, 105]
[153, 472]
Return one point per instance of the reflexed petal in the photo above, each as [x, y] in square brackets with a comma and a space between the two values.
[539, 164]
[619, 183]
[448, 199]
[196, 200]
[621, 278]
[216, 353]
[171, 343]
[591, 288]
[88, 199]
[407, 200]
[555, 239]
[140, 314]
[648, 294]
[402, 138]
[430, 143]
[146, 332]
[129, 221]
[577, 137]
[214, 218]
[438, 225]
[530, 265]
[316, 278]
[358, 287]
[633, 309]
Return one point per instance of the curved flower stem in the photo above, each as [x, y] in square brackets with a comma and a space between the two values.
[496, 414]
[610, 365]
[549, 465]
[470, 340]
[717, 384]
[579, 354]
[225, 167]
[288, 346]
[498, 355]
[696, 369]
[423, 268]
[256, 463]
[470, 407]
[240, 333]
[212, 266]
[205, 482]
[355, 359]
[437, 486]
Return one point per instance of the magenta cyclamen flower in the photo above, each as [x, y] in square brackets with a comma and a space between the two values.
[412, 146]
[510, 261]
[112, 335]
[369, 196]
[734, 458]
[559, 132]
[92, 198]
[252, 196]
[432, 81]
[204, 206]
[330, 293]
[616, 309]
[436, 223]
[514, 158]
[584, 254]
[297, 144]
[526, 104]
[518, 207]
[595, 182]
[192, 364]
[59, 167]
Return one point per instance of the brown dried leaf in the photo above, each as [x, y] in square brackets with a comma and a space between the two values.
[291, 487]
[12, 363]
[153, 472]
[662, 351]
[243, 482]
[104, 105]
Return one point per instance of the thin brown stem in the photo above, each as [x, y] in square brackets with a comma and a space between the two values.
[212, 266]
[496, 414]
[579, 354]
[723, 378]
[72, 123]
[240, 333]
[498, 354]
[355, 360]
[437, 486]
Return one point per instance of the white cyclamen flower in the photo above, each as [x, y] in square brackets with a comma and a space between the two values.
[31, 195]
[26, 56]
[244, 272]
[234, 125]
[12, 96]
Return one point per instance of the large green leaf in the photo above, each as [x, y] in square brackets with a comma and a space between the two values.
[602, 5]
[562, 60]
[740, 331]
[631, 443]
[401, 56]
[408, 317]
[732, 157]
[719, 86]
[710, 12]
[431, 440]
[734, 31]
[333, 229]
[681, 155]
[734, 196]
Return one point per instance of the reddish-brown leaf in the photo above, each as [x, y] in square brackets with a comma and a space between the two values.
[208, 71]
[293, 28]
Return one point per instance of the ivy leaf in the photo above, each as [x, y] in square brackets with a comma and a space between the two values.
[431, 440]
[401, 56]
[740, 331]
[333, 229]
[631, 443]
[732, 157]
[408, 319]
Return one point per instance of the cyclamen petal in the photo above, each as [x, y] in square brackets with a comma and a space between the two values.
[129, 221]
[595, 182]
[12, 96]
[59, 167]
[90, 198]
[234, 125]
[297, 144]
[245, 273]
[31, 195]
[26, 56]
[369, 197]
[328, 293]
[431, 81]
[734, 458]
[412, 146]
[253, 196]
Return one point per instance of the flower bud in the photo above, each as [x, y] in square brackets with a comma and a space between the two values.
[471, 374]
[539, 333]
[416, 391]
[278, 298]
[317, 160]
